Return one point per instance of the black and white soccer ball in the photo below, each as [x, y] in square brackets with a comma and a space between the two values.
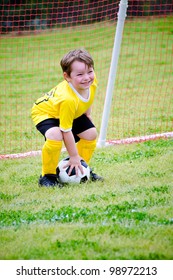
[72, 178]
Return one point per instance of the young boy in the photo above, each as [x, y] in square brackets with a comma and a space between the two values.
[64, 114]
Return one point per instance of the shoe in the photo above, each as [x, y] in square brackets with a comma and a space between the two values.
[95, 177]
[49, 180]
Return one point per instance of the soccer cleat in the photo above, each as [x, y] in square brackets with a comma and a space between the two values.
[95, 177]
[49, 180]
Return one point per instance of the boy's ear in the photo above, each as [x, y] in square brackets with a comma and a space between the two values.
[66, 77]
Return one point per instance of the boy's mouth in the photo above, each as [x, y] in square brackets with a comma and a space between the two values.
[86, 83]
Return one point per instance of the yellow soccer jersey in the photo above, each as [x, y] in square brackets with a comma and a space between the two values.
[62, 102]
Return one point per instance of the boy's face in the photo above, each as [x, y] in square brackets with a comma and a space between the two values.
[81, 76]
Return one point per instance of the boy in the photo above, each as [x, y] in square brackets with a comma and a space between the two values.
[64, 114]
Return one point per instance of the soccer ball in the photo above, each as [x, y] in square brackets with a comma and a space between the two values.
[72, 178]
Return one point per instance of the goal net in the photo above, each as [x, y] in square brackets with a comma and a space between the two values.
[36, 34]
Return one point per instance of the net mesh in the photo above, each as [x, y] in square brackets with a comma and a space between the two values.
[36, 34]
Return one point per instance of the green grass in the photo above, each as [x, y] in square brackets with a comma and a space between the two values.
[142, 100]
[128, 216]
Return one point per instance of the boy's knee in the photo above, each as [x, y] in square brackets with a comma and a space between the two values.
[92, 135]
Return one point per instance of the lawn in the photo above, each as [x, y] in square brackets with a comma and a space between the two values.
[129, 216]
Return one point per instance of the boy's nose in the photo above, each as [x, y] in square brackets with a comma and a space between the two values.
[86, 77]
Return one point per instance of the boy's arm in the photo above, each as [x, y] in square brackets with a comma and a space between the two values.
[74, 161]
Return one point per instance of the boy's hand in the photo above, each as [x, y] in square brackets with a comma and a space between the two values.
[74, 162]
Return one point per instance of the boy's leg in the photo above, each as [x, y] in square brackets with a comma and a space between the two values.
[81, 127]
[86, 149]
[50, 156]
[50, 152]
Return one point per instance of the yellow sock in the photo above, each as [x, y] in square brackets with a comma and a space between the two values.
[50, 156]
[86, 148]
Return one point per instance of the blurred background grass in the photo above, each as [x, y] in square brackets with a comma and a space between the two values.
[142, 99]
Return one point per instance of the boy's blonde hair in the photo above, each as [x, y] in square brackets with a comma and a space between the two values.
[75, 55]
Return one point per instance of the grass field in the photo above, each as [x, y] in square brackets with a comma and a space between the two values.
[142, 99]
[128, 216]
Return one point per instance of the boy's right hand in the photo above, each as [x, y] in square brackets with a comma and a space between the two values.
[75, 162]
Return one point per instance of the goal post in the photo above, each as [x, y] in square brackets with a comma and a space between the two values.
[112, 73]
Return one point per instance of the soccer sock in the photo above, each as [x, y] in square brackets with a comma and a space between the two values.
[86, 148]
[50, 156]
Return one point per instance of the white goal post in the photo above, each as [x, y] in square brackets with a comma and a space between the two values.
[112, 72]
